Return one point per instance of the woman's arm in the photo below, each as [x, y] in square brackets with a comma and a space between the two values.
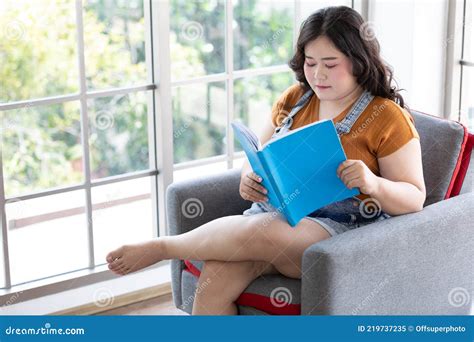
[401, 187]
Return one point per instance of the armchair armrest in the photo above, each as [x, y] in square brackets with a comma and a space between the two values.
[192, 203]
[414, 264]
[195, 202]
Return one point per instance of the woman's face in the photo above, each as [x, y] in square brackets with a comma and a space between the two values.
[328, 71]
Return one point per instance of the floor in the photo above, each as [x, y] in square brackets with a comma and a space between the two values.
[162, 305]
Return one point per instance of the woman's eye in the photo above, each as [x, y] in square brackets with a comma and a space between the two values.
[310, 65]
[330, 66]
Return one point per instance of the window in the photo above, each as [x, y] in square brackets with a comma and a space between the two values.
[466, 112]
[78, 168]
[77, 139]
[228, 62]
[79, 153]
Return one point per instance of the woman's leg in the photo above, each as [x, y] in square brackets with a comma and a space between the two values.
[260, 237]
[222, 282]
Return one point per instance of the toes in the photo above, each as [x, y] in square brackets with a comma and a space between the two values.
[114, 255]
[113, 269]
[117, 270]
[116, 264]
[123, 270]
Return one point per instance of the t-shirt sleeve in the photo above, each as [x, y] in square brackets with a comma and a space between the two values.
[398, 128]
[282, 106]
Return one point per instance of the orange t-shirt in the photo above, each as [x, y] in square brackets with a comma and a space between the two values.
[380, 130]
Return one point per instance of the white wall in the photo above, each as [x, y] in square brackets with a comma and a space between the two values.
[412, 35]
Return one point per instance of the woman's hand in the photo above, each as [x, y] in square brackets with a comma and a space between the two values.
[355, 174]
[250, 188]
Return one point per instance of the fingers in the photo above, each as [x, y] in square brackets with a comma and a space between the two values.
[253, 182]
[255, 196]
[345, 164]
[251, 190]
[353, 183]
[346, 176]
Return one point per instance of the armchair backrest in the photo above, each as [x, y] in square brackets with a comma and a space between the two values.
[446, 151]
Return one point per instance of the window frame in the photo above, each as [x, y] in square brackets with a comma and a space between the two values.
[93, 273]
[159, 89]
[455, 62]
[464, 62]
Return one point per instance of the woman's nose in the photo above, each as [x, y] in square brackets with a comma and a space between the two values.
[319, 74]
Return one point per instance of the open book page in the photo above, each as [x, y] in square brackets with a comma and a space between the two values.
[293, 131]
[250, 144]
[247, 134]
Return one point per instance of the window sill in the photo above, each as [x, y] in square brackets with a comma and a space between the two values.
[77, 289]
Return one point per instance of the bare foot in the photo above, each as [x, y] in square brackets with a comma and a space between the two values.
[131, 258]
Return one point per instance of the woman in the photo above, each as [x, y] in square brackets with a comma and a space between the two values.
[343, 78]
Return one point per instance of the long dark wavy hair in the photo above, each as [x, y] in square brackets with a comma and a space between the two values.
[355, 39]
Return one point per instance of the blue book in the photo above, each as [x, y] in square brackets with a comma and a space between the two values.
[299, 168]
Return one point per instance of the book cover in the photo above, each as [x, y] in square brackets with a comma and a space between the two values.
[299, 168]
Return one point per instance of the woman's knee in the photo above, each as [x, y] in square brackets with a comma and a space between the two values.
[259, 236]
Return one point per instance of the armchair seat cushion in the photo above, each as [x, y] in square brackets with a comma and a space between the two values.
[272, 294]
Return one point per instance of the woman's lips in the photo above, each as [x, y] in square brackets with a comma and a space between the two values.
[322, 87]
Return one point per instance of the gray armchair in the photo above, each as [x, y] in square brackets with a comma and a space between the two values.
[414, 264]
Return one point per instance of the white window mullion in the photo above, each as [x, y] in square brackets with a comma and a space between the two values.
[296, 22]
[4, 232]
[362, 6]
[85, 130]
[38, 102]
[160, 12]
[152, 147]
[453, 69]
[46, 101]
[229, 47]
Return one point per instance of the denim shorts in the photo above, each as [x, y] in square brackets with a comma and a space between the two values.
[337, 217]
